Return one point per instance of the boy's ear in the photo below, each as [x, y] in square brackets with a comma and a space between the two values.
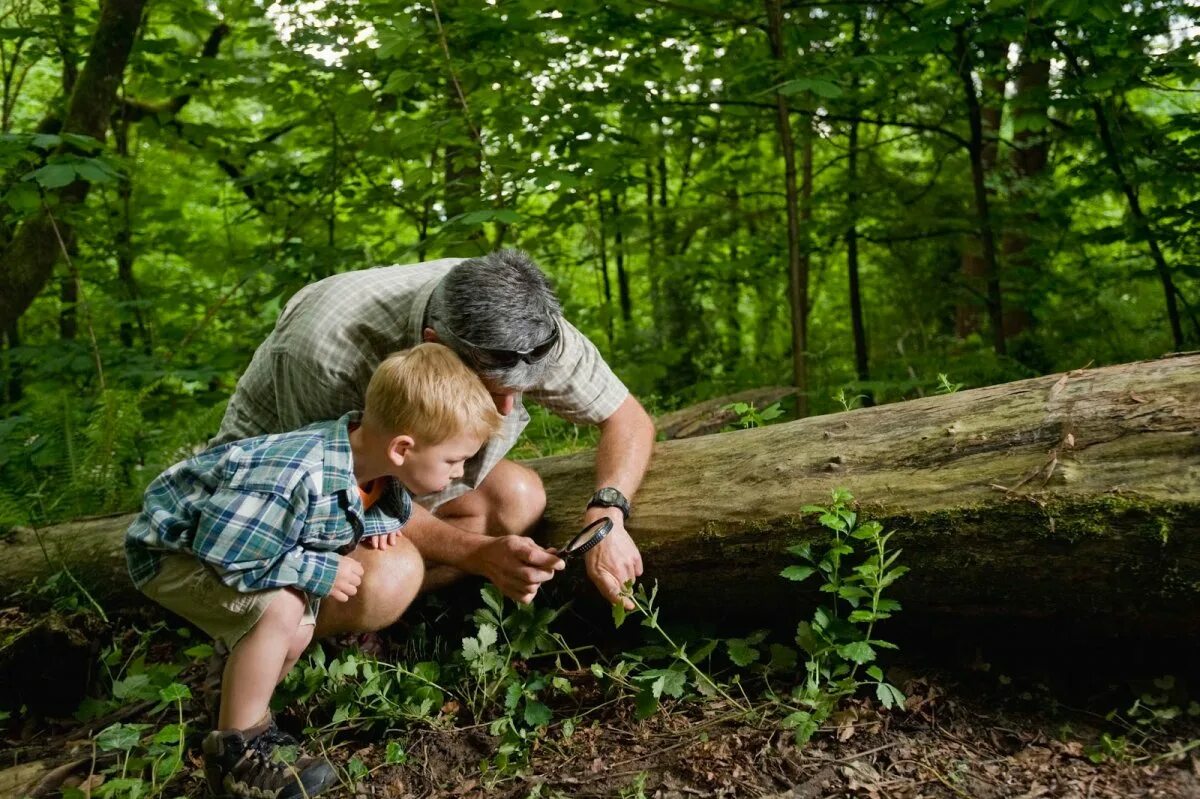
[398, 449]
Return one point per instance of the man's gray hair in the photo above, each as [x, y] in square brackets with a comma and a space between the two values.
[500, 301]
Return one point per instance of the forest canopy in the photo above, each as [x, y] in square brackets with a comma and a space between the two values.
[854, 198]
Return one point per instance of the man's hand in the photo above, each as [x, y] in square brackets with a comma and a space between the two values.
[381, 541]
[349, 575]
[616, 560]
[517, 566]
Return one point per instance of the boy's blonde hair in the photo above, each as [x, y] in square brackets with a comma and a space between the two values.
[427, 392]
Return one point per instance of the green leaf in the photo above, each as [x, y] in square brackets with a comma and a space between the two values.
[487, 636]
[888, 695]
[23, 198]
[492, 598]
[797, 573]
[618, 613]
[395, 754]
[818, 86]
[53, 176]
[783, 658]
[875, 673]
[536, 714]
[119, 737]
[858, 651]
[646, 703]
[740, 652]
[357, 768]
[174, 692]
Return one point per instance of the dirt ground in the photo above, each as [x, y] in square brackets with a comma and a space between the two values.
[965, 732]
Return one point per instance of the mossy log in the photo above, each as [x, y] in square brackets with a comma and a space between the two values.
[1073, 497]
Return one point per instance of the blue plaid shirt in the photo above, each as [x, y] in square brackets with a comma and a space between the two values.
[266, 512]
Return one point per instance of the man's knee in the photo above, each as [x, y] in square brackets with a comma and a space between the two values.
[509, 501]
[518, 495]
[391, 579]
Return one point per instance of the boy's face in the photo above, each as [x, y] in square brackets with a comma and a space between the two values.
[429, 468]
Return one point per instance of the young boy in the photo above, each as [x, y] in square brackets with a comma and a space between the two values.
[245, 539]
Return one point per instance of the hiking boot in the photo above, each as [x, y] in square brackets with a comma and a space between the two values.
[242, 764]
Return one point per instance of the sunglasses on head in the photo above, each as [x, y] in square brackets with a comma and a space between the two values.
[491, 357]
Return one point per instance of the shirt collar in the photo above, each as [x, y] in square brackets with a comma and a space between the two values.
[338, 471]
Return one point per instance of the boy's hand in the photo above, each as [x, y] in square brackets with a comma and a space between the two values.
[349, 576]
[381, 541]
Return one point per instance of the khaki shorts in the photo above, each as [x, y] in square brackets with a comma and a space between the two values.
[190, 588]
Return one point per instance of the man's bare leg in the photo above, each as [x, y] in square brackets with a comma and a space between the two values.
[509, 501]
[391, 579]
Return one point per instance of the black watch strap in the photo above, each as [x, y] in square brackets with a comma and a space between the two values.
[609, 497]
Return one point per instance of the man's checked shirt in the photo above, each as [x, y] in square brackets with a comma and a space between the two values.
[317, 362]
[265, 512]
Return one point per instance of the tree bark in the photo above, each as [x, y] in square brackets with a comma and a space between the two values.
[623, 294]
[1072, 497]
[1030, 156]
[27, 260]
[861, 361]
[981, 150]
[797, 274]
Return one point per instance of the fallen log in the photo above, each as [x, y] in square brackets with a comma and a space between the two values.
[1073, 497]
[714, 415]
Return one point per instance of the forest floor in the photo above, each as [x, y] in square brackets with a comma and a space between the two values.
[964, 732]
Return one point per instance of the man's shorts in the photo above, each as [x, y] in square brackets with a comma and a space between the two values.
[189, 587]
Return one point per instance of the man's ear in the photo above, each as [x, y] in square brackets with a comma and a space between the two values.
[398, 449]
[429, 334]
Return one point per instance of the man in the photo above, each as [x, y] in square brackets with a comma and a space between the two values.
[500, 315]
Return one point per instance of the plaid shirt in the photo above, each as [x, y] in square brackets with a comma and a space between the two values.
[266, 512]
[317, 362]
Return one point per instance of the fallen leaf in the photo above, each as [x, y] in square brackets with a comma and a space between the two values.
[1070, 441]
[1057, 388]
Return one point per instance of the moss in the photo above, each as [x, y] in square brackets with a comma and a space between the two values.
[1068, 520]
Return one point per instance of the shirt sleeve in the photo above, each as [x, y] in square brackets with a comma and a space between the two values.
[579, 386]
[252, 538]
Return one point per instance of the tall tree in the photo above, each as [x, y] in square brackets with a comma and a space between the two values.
[28, 257]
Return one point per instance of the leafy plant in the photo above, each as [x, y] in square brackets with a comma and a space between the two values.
[840, 638]
[748, 416]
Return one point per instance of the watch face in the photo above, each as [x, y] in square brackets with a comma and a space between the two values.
[609, 496]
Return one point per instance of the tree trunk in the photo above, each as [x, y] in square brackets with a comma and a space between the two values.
[602, 267]
[797, 275]
[619, 251]
[861, 362]
[1140, 221]
[1074, 497]
[984, 124]
[27, 260]
[1030, 155]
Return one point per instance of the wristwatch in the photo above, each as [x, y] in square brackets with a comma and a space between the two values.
[609, 497]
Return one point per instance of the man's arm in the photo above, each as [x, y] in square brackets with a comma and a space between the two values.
[514, 563]
[622, 456]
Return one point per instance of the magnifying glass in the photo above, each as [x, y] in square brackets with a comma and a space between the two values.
[586, 538]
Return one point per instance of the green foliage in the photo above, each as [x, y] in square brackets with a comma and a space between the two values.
[840, 639]
[748, 416]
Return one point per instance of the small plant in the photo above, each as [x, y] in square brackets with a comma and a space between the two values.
[654, 683]
[748, 416]
[944, 385]
[847, 401]
[145, 762]
[840, 639]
